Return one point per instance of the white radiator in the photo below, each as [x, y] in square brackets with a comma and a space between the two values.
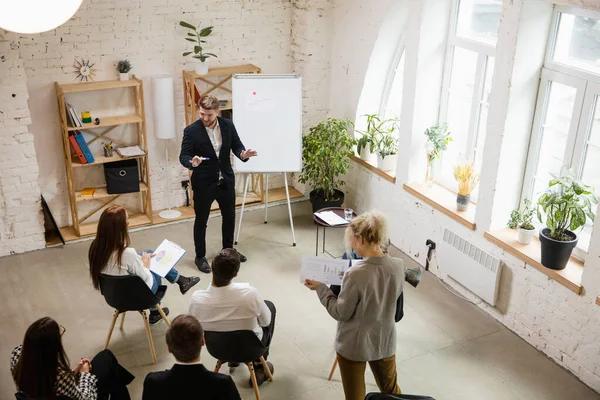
[466, 263]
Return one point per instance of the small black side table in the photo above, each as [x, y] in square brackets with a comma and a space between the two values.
[319, 222]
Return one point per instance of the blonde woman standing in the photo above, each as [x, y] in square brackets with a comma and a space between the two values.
[365, 309]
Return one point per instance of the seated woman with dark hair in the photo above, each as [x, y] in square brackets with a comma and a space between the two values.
[40, 368]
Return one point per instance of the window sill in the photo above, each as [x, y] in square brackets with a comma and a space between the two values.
[570, 277]
[387, 175]
[442, 200]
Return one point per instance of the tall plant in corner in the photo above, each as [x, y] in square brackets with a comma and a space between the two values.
[566, 207]
[326, 152]
[197, 36]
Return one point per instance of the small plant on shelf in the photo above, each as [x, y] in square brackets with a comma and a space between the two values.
[438, 139]
[123, 67]
[467, 180]
[198, 36]
[522, 219]
[566, 206]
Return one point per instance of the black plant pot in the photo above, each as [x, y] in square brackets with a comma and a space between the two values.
[556, 253]
[317, 199]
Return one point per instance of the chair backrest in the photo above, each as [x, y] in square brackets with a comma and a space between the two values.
[23, 396]
[127, 293]
[386, 396]
[234, 346]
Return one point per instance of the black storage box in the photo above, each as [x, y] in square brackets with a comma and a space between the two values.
[122, 177]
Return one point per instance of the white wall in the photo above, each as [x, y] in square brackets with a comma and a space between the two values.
[554, 319]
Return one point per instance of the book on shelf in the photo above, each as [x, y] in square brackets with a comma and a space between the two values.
[72, 116]
[130, 151]
[88, 192]
[84, 147]
[77, 149]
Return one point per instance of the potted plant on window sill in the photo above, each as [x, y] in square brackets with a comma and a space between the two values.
[326, 152]
[522, 220]
[566, 205]
[387, 152]
[196, 36]
[367, 143]
[123, 67]
[438, 139]
[467, 180]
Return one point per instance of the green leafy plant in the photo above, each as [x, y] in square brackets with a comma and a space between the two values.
[438, 139]
[326, 152]
[124, 66]
[196, 36]
[567, 204]
[376, 128]
[387, 145]
[522, 217]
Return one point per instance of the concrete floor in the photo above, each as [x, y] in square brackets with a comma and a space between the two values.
[447, 348]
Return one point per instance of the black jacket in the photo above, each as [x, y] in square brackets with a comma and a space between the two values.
[189, 382]
[197, 143]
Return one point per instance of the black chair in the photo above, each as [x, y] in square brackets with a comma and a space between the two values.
[237, 347]
[23, 396]
[385, 396]
[130, 293]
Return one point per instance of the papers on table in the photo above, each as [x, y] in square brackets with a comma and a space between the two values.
[331, 218]
[130, 151]
[167, 255]
[323, 269]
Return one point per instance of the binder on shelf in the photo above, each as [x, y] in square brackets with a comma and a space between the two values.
[84, 147]
[77, 149]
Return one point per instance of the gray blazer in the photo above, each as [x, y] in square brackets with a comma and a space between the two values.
[365, 308]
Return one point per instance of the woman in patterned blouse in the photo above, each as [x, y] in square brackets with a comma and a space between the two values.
[40, 367]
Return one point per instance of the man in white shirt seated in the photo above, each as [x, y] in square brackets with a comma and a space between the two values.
[227, 306]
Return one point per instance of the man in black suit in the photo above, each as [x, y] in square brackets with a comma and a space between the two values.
[205, 150]
[188, 379]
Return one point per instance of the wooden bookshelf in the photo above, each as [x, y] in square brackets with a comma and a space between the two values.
[144, 216]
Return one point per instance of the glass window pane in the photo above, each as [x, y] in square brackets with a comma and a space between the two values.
[554, 134]
[479, 20]
[578, 42]
[460, 98]
[483, 114]
[394, 102]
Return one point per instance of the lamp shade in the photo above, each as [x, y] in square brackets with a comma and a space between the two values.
[163, 106]
[35, 16]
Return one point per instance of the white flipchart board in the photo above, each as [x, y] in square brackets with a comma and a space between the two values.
[267, 113]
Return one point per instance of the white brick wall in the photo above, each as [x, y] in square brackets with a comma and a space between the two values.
[21, 220]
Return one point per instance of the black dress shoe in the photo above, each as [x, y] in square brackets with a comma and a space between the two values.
[261, 375]
[202, 265]
[186, 283]
[155, 316]
[242, 257]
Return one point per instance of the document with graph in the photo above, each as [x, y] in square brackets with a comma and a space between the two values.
[167, 255]
[323, 269]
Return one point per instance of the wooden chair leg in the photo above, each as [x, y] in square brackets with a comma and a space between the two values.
[254, 383]
[122, 320]
[333, 367]
[266, 368]
[149, 334]
[110, 330]
[162, 313]
[218, 366]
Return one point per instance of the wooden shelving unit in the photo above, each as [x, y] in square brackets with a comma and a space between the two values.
[218, 79]
[136, 217]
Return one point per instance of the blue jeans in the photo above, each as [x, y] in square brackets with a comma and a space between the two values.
[172, 276]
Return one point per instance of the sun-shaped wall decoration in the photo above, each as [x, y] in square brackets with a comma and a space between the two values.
[84, 70]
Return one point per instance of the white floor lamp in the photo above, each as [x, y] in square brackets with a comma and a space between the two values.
[163, 110]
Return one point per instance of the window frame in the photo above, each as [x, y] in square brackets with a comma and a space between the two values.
[484, 51]
[587, 85]
[391, 75]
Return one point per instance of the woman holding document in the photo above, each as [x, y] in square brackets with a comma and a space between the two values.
[365, 309]
[110, 254]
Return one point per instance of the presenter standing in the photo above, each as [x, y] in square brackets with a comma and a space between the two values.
[205, 149]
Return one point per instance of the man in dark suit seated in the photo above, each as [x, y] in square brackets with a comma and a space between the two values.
[188, 379]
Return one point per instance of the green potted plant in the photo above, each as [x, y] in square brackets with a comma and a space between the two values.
[522, 220]
[387, 151]
[326, 152]
[467, 180]
[367, 143]
[196, 36]
[438, 139]
[124, 66]
[566, 206]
